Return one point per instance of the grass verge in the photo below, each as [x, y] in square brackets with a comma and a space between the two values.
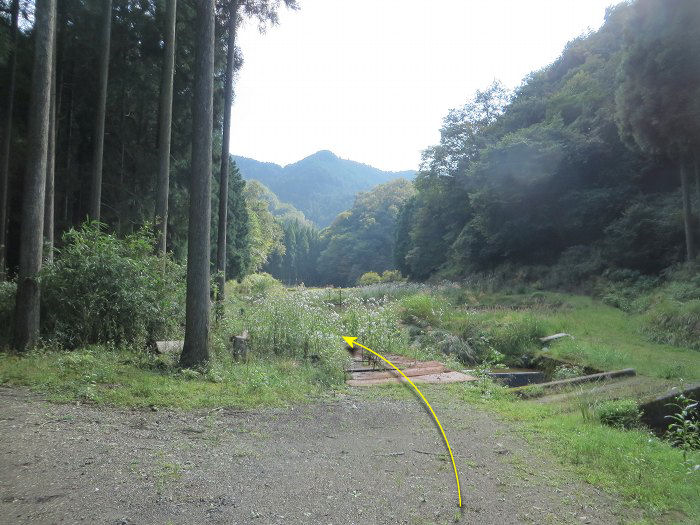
[643, 470]
[125, 378]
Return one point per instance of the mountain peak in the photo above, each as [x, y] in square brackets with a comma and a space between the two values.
[324, 154]
[320, 185]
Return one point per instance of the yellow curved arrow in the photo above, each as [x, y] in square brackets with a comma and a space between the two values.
[351, 342]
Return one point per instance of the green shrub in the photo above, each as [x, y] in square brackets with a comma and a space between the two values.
[258, 284]
[422, 308]
[369, 278]
[102, 289]
[623, 413]
[684, 429]
[626, 289]
[7, 308]
[392, 276]
[516, 337]
[576, 266]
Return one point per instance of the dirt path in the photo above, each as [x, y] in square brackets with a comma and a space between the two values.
[353, 460]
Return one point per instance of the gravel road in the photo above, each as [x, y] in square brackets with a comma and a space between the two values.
[358, 458]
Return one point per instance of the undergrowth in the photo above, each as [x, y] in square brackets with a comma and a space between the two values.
[670, 303]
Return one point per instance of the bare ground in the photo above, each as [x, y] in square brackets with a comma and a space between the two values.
[356, 459]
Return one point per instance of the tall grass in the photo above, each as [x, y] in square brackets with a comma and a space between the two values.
[674, 322]
[423, 308]
[512, 334]
[387, 291]
[284, 324]
[373, 322]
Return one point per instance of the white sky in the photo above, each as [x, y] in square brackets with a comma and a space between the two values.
[371, 80]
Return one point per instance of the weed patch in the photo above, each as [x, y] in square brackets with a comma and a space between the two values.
[623, 413]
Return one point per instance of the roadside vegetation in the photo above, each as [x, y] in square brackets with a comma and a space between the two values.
[645, 471]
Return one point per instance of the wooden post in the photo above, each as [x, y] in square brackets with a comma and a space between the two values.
[239, 346]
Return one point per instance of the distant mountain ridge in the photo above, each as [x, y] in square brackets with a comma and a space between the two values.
[321, 185]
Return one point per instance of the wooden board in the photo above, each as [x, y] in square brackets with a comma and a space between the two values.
[360, 374]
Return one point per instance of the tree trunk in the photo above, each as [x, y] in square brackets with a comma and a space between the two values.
[226, 136]
[99, 136]
[26, 328]
[68, 176]
[50, 164]
[696, 165]
[164, 132]
[196, 348]
[687, 212]
[7, 138]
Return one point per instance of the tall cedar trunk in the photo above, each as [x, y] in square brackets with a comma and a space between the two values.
[50, 164]
[223, 173]
[696, 165]
[7, 138]
[687, 212]
[96, 183]
[26, 329]
[164, 132]
[196, 348]
[67, 176]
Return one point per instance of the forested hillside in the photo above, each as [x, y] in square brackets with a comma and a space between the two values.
[565, 178]
[575, 172]
[322, 185]
[360, 240]
[283, 211]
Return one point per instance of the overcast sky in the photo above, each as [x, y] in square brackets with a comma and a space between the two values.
[371, 80]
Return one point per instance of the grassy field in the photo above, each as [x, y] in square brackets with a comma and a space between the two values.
[608, 338]
[603, 337]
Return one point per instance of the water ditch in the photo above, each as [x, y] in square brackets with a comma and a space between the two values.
[542, 369]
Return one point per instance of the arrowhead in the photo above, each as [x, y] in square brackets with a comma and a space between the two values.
[349, 340]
